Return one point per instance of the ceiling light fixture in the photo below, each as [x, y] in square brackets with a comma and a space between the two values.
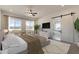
[30, 12]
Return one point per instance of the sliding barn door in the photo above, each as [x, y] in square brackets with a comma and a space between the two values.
[67, 28]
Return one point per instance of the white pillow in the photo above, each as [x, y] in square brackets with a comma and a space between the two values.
[13, 44]
[12, 40]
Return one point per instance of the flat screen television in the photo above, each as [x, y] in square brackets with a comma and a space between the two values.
[46, 25]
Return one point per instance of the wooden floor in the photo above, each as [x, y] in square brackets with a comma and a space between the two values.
[74, 49]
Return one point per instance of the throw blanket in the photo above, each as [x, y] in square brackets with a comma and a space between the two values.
[34, 45]
[43, 40]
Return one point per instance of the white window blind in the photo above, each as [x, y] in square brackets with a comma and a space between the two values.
[29, 25]
[14, 23]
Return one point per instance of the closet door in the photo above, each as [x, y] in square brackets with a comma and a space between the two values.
[57, 28]
[67, 28]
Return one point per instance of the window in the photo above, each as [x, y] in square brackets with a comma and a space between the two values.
[29, 25]
[57, 24]
[57, 28]
[14, 24]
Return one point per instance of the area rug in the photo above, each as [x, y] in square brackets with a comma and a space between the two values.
[56, 47]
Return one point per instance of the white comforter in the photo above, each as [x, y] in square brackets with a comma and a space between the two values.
[13, 44]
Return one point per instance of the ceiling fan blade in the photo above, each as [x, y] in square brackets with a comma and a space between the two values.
[30, 10]
[34, 13]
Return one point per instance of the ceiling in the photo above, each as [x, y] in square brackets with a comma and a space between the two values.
[42, 10]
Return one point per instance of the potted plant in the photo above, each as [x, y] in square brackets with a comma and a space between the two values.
[36, 28]
[76, 24]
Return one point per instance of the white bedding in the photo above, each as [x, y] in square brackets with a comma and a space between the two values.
[13, 44]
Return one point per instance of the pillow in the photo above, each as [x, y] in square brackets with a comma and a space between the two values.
[12, 40]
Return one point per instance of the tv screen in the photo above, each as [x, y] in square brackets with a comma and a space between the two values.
[46, 25]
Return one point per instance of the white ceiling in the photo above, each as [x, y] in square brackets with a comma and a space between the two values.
[42, 10]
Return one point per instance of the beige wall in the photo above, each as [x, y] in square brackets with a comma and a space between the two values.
[4, 22]
[0, 19]
[23, 25]
[35, 21]
[0, 30]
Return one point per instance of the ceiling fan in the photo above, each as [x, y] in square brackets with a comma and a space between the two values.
[31, 12]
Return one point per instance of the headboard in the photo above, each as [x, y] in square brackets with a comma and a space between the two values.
[1, 37]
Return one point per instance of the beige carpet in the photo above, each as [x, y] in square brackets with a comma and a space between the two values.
[56, 47]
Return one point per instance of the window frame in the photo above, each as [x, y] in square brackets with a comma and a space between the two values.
[14, 23]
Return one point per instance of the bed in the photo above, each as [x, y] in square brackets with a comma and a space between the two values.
[26, 44]
[21, 43]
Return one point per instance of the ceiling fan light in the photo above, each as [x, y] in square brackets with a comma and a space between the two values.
[29, 12]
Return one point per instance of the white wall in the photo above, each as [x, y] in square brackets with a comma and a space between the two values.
[44, 20]
[68, 32]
